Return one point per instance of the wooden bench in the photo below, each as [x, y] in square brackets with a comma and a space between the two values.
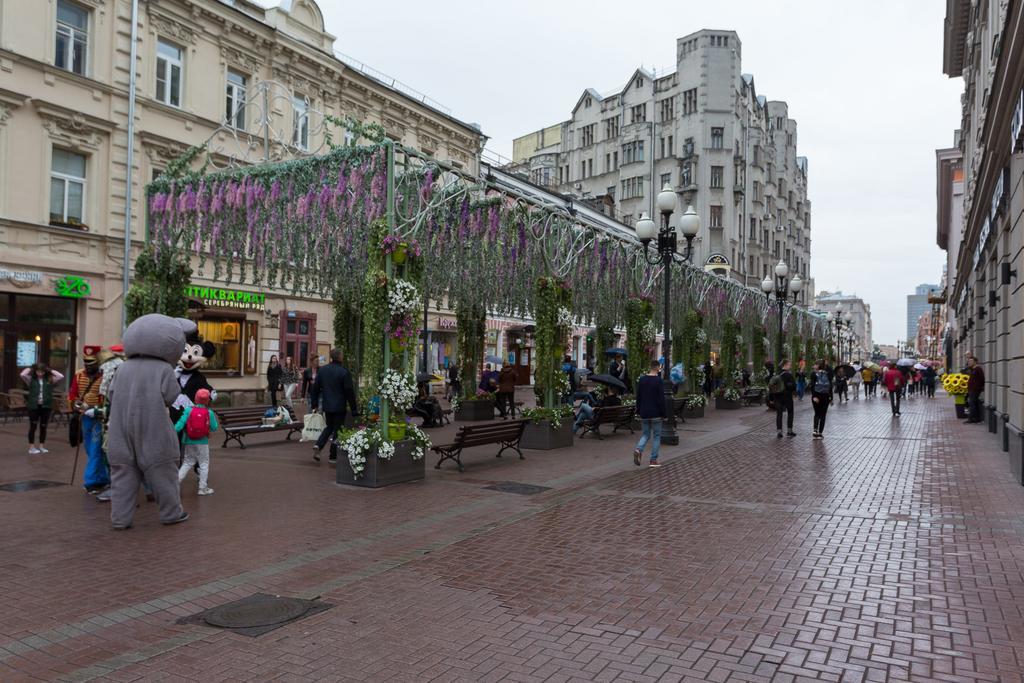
[237, 422]
[752, 396]
[506, 433]
[619, 416]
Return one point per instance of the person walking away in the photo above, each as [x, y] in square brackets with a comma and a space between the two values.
[40, 379]
[586, 410]
[842, 386]
[893, 382]
[855, 382]
[650, 406]
[868, 376]
[929, 380]
[333, 387]
[454, 385]
[289, 380]
[274, 373]
[196, 423]
[801, 384]
[821, 397]
[781, 388]
[507, 391]
[85, 399]
[975, 387]
[308, 378]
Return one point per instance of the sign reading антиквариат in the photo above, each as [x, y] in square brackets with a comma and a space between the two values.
[226, 298]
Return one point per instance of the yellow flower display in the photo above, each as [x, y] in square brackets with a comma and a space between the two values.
[955, 383]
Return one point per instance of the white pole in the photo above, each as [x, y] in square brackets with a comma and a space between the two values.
[130, 163]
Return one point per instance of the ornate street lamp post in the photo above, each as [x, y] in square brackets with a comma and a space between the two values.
[665, 255]
[783, 287]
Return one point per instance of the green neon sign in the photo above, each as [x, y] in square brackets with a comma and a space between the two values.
[228, 298]
[72, 286]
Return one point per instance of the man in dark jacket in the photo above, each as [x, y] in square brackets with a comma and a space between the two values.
[783, 399]
[333, 391]
[975, 387]
[650, 406]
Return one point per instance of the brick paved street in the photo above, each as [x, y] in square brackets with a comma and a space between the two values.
[888, 551]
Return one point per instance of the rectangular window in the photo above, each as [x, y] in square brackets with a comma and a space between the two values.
[611, 127]
[615, 159]
[583, 169]
[235, 105]
[607, 163]
[587, 134]
[638, 113]
[690, 101]
[300, 122]
[716, 177]
[666, 179]
[67, 188]
[590, 167]
[225, 335]
[671, 146]
[611, 193]
[717, 138]
[716, 217]
[168, 73]
[668, 106]
[72, 37]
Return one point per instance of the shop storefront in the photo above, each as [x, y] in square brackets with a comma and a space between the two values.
[520, 352]
[441, 344]
[39, 322]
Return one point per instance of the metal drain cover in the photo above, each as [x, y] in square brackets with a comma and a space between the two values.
[516, 487]
[256, 611]
[30, 485]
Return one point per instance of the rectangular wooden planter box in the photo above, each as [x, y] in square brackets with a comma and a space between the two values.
[377, 473]
[693, 413]
[475, 411]
[541, 437]
[725, 404]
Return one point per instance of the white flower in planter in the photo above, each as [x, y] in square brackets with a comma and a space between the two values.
[649, 331]
[398, 389]
[403, 297]
[564, 317]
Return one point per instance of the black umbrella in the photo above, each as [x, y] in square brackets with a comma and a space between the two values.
[424, 377]
[847, 370]
[608, 380]
[612, 352]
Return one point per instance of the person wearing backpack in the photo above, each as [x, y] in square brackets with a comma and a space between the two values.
[197, 422]
[781, 388]
[821, 396]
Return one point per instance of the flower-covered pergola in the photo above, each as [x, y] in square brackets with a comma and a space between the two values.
[314, 226]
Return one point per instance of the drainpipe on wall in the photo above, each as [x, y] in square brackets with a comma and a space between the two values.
[130, 164]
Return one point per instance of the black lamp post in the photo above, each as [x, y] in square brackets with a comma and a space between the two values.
[665, 255]
[782, 286]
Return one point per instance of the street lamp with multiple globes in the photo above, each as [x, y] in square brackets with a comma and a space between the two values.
[665, 255]
[782, 286]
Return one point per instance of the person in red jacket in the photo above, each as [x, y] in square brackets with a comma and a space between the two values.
[893, 380]
[975, 386]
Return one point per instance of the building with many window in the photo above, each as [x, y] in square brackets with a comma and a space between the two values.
[983, 43]
[918, 305]
[230, 72]
[701, 129]
[860, 322]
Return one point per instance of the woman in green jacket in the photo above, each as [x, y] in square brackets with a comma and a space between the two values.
[39, 402]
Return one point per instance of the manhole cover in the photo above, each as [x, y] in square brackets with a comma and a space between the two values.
[30, 485]
[251, 613]
[516, 487]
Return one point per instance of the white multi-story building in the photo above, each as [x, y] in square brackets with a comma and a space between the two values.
[703, 130]
[838, 303]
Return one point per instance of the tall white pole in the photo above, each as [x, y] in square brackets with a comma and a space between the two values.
[130, 163]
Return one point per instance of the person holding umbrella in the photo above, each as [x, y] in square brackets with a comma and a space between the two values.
[893, 381]
[855, 382]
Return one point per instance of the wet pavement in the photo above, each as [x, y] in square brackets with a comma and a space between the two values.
[890, 550]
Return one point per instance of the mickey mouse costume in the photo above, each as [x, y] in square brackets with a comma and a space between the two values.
[190, 377]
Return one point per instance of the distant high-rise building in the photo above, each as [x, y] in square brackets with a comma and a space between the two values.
[917, 305]
[701, 129]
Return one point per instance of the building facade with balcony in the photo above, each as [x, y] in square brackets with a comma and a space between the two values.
[702, 129]
[983, 43]
[232, 73]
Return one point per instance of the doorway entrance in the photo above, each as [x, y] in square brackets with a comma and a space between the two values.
[36, 329]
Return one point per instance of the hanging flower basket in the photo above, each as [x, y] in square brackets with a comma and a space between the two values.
[400, 253]
[397, 345]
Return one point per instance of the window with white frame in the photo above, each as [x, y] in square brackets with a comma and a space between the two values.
[67, 188]
[717, 138]
[300, 122]
[716, 176]
[169, 66]
[235, 101]
[72, 37]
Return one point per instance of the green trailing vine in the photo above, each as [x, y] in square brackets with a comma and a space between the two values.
[553, 298]
[796, 345]
[640, 336]
[730, 358]
[470, 324]
[348, 337]
[373, 316]
[757, 351]
[693, 341]
[604, 339]
[161, 279]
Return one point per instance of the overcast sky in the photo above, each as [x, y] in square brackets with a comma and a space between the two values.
[863, 80]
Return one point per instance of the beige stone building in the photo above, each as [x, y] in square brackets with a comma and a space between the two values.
[255, 82]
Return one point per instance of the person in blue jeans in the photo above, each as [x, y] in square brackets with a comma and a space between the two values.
[650, 406]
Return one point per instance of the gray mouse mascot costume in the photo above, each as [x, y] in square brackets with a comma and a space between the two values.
[141, 441]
